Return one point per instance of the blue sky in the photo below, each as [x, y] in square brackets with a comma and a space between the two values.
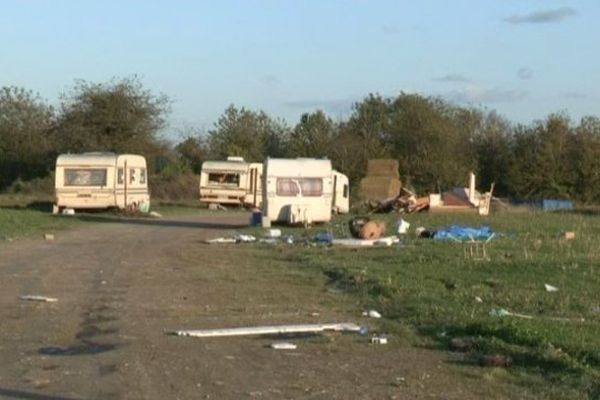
[523, 58]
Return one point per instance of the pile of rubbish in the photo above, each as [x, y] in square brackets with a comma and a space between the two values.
[382, 192]
[364, 231]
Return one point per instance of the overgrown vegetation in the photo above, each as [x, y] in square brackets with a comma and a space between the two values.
[432, 288]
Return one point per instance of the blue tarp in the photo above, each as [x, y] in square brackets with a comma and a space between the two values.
[464, 233]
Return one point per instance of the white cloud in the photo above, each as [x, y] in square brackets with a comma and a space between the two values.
[543, 17]
[477, 94]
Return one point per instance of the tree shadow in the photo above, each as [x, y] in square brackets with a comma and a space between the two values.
[19, 394]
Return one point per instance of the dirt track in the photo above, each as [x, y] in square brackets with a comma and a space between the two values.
[121, 286]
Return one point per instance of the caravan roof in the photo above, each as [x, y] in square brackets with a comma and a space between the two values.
[87, 158]
[96, 158]
[289, 167]
[225, 166]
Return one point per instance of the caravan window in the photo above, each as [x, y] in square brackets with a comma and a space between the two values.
[85, 177]
[143, 175]
[287, 187]
[120, 174]
[309, 187]
[131, 175]
[224, 178]
[345, 191]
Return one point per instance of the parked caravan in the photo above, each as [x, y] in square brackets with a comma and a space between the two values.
[101, 180]
[341, 193]
[303, 190]
[234, 182]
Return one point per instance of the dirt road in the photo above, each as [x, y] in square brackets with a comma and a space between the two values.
[122, 285]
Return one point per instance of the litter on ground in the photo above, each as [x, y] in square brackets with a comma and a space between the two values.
[550, 288]
[386, 241]
[283, 346]
[271, 330]
[379, 340]
[460, 233]
[372, 314]
[31, 297]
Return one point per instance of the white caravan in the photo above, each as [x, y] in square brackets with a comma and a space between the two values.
[101, 180]
[303, 190]
[234, 182]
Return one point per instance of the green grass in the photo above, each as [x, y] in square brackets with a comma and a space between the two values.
[18, 223]
[430, 288]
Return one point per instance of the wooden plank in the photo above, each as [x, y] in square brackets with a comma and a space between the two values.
[270, 330]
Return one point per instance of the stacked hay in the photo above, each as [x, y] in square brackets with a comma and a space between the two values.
[382, 181]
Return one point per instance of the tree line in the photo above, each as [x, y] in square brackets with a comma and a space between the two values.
[436, 142]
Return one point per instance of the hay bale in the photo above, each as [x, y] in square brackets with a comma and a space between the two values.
[378, 188]
[383, 167]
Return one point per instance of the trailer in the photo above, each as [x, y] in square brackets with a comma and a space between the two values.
[231, 182]
[101, 180]
[303, 190]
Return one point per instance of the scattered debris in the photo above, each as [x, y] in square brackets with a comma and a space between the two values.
[403, 227]
[386, 241]
[68, 211]
[379, 340]
[155, 214]
[235, 239]
[462, 344]
[270, 330]
[274, 233]
[283, 346]
[496, 360]
[550, 288]
[460, 233]
[265, 222]
[568, 235]
[502, 312]
[48, 236]
[220, 240]
[424, 233]
[32, 297]
[475, 251]
[372, 230]
[216, 206]
[372, 314]
[478, 299]
[324, 237]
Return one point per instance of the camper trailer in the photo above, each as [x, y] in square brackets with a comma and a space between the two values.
[303, 190]
[233, 182]
[101, 180]
[341, 193]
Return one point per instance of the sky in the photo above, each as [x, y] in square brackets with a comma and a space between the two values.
[523, 58]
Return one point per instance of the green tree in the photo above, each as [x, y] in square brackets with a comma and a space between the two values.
[494, 154]
[362, 137]
[192, 151]
[119, 116]
[27, 142]
[433, 141]
[586, 156]
[248, 134]
[312, 136]
[543, 163]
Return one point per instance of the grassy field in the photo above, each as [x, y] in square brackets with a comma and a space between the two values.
[24, 215]
[432, 291]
